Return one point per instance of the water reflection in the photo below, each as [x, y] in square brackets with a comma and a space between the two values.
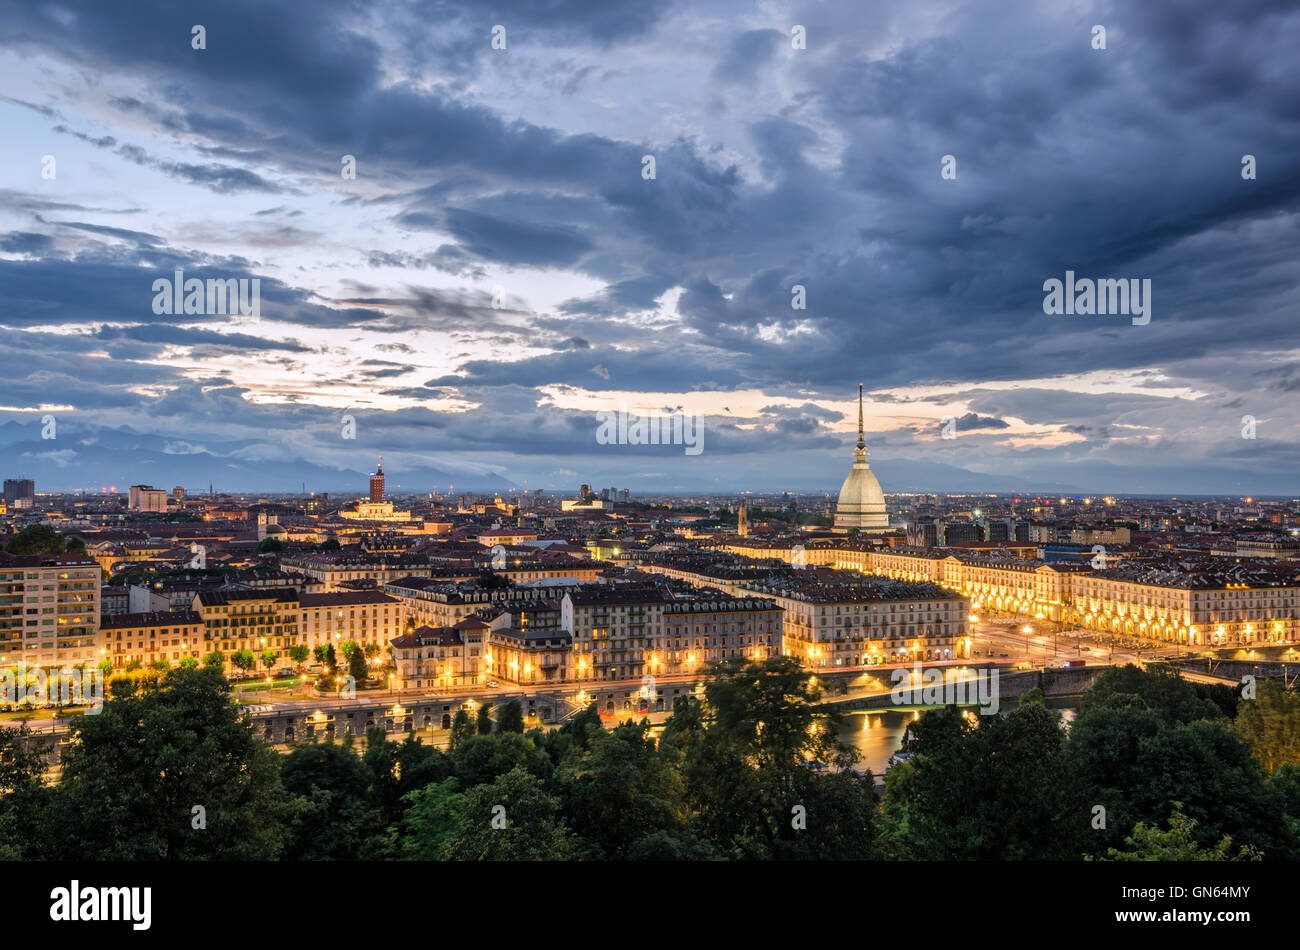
[878, 734]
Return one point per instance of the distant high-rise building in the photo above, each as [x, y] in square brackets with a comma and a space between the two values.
[19, 489]
[923, 534]
[178, 493]
[999, 529]
[146, 498]
[627, 495]
[956, 532]
[377, 483]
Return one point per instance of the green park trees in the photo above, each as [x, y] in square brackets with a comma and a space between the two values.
[751, 768]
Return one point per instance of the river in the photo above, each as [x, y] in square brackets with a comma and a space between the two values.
[877, 734]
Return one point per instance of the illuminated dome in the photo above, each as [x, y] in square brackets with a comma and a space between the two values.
[861, 503]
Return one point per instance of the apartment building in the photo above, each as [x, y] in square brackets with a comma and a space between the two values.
[430, 657]
[363, 616]
[253, 620]
[144, 638]
[49, 610]
[334, 569]
[613, 629]
[1198, 605]
[711, 627]
[1187, 598]
[441, 602]
[829, 624]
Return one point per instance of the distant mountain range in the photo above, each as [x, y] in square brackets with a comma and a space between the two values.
[89, 459]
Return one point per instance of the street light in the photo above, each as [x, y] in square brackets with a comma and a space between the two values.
[1027, 630]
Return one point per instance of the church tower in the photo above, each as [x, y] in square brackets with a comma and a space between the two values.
[742, 520]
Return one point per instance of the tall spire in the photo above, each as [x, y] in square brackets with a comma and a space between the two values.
[862, 441]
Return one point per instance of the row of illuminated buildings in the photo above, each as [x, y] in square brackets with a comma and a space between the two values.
[1178, 599]
[449, 630]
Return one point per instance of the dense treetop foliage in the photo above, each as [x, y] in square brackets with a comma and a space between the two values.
[1152, 767]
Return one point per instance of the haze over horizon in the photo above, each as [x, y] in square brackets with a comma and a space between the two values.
[499, 270]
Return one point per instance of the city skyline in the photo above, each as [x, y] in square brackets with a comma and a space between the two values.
[450, 240]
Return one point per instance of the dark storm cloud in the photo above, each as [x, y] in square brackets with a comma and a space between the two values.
[1116, 163]
[748, 53]
[594, 368]
[177, 336]
[26, 242]
[505, 240]
[106, 284]
[972, 421]
[223, 179]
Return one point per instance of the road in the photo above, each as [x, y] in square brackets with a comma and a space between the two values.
[1006, 640]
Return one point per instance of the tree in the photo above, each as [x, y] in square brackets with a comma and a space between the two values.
[478, 760]
[75, 546]
[330, 815]
[299, 653]
[330, 544]
[357, 668]
[325, 655]
[397, 769]
[513, 819]
[510, 718]
[23, 796]
[161, 665]
[1135, 764]
[1158, 687]
[429, 821]
[270, 546]
[622, 790]
[36, 539]
[461, 729]
[1271, 724]
[348, 648]
[485, 719]
[214, 660]
[372, 650]
[268, 658]
[168, 770]
[744, 755]
[999, 789]
[1148, 843]
[243, 660]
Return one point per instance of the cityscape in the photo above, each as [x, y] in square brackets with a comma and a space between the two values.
[605, 433]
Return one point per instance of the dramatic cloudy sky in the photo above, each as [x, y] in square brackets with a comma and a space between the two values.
[518, 172]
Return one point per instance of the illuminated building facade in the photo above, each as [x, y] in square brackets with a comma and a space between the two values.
[49, 610]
